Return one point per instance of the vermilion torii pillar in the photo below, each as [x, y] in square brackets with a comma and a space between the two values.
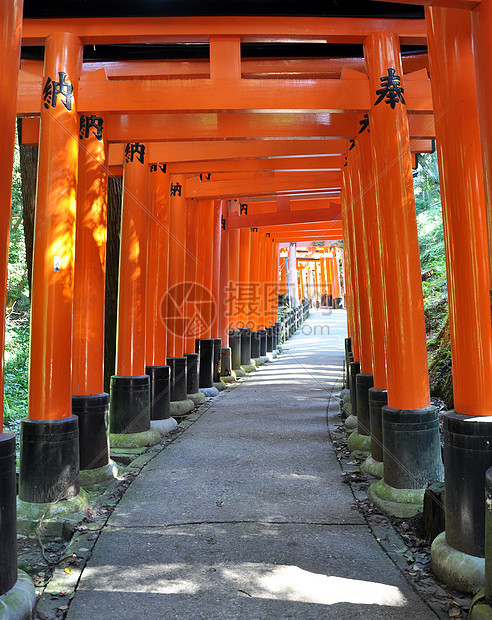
[378, 395]
[204, 344]
[482, 45]
[216, 257]
[49, 473]
[89, 401]
[353, 346]
[293, 290]
[410, 424]
[255, 289]
[360, 440]
[192, 327]
[130, 386]
[469, 427]
[157, 279]
[262, 279]
[191, 272]
[205, 224]
[245, 298]
[222, 298]
[177, 319]
[12, 581]
[233, 300]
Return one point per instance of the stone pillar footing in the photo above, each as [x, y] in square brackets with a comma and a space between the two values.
[464, 572]
[209, 391]
[135, 440]
[54, 515]
[350, 423]
[248, 367]
[359, 443]
[400, 503]
[219, 386]
[18, 602]
[164, 426]
[373, 468]
[479, 608]
[180, 408]
[101, 474]
[198, 398]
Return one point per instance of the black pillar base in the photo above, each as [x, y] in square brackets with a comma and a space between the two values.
[411, 447]
[348, 360]
[8, 513]
[49, 460]
[179, 378]
[488, 537]
[129, 404]
[467, 457]
[245, 346]
[269, 346]
[255, 345]
[92, 412]
[354, 370]
[226, 362]
[284, 329]
[192, 372]
[363, 383]
[277, 333]
[205, 349]
[377, 400]
[263, 342]
[160, 391]
[235, 344]
[217, 359]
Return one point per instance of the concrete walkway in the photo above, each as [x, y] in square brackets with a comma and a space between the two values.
[246, 516]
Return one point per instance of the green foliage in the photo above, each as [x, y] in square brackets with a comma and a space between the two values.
[16, 367]
[433, 265]
[17, 313]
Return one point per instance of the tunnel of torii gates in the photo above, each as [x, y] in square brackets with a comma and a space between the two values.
[221, 180]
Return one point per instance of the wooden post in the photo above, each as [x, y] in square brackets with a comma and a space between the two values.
[465, 234]
[410, 425]
[177, 262]
[48, 474]
[89, 401]
[157, 270]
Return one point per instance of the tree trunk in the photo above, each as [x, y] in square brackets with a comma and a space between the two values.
[112, 267]
[29, 169]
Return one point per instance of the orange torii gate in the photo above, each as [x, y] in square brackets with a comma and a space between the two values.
[183, 147]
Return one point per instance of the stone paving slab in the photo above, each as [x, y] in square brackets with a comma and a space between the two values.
[245, 515]
[243, 571]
